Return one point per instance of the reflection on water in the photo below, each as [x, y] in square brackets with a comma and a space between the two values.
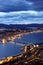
[9, 49]
[14, 47]
[31, 38]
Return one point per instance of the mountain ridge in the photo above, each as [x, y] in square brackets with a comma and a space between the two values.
[20, 25]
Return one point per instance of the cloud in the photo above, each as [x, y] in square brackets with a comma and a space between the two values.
[21, 11]
[21, 17]
[34, 0]
[20, 5]
[14, 5]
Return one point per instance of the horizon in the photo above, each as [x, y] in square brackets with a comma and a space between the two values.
[23, 24]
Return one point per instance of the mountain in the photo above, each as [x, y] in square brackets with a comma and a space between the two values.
[12, 26]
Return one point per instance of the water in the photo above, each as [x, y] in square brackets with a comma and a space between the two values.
[12, 48]
[9, 49]
[31, 38]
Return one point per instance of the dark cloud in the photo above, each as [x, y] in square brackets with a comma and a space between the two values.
[34, 0]
[38, 4]
[20, 5]
[14, 5]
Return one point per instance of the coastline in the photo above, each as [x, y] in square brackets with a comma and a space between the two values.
[7, 59]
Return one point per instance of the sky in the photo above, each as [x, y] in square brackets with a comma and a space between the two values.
[21, 11]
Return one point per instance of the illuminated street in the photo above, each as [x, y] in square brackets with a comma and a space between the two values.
[32, 54]
[21, 32]
[12, 34]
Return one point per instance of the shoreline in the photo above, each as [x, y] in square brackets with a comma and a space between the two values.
[7, 59]
[10, 38]
[10, 58]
